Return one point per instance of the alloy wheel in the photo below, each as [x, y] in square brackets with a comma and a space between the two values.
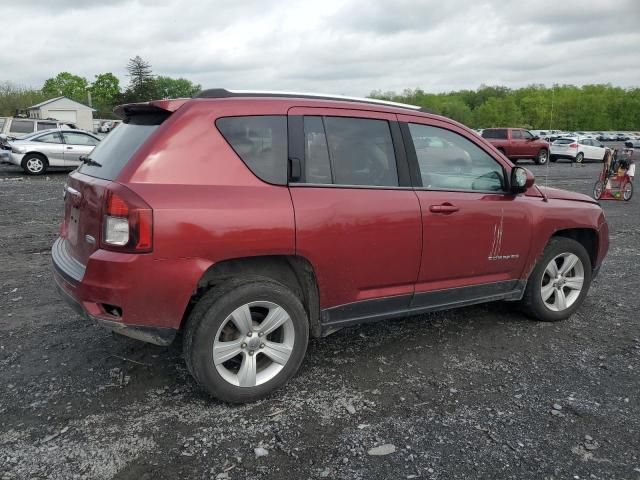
[35, 165]
[253, 344]
[562, 282]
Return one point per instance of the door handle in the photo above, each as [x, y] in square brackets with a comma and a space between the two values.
[69, 148]
[445, 208]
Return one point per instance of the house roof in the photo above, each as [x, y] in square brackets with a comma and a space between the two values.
[51, 100]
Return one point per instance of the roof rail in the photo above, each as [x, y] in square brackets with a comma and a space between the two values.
[224, 93]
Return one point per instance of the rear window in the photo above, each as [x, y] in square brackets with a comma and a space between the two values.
[564, 141]
[117, 148]
[261, 143]
[499, 133]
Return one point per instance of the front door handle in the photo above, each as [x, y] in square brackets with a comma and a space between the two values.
[445, 208]
[69, 148]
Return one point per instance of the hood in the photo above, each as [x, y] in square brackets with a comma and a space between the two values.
[558, 194]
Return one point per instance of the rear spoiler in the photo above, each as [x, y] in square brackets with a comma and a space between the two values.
[153, 108]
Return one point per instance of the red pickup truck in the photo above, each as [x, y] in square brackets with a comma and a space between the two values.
[516, 143]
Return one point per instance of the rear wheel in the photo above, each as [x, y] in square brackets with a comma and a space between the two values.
[579, 157]
[598, 189]
[558, 284]
[34, 164]
[543, 156]
[245, 340]
[627, 191]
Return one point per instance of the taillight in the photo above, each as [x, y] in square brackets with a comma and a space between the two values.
[573, 145]
[127, 222]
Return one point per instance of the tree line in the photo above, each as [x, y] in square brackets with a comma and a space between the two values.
[104, 91]
[590, 107]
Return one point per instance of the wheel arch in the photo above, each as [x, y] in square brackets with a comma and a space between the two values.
[587, 237]
[294, 272]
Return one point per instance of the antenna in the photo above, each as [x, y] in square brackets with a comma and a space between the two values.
[546, 178]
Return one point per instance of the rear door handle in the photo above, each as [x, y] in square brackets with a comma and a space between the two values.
[69, 148]
[445, 208]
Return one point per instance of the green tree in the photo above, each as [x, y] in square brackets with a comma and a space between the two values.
[141, 81]
[105, 91]
[167, 87]
[68, 85]
[14, 99]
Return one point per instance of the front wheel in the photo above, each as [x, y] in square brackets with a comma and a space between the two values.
[245, 340]
[598, 189]
[542, 157]
[558, 284]
[627, 191]
[34, 164]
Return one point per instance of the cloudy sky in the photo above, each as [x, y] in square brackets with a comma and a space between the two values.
[336, 46]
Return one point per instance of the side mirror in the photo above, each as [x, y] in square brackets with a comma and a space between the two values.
[521, 180]
[536, 137]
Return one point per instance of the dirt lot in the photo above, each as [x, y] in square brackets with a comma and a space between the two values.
[479, 392]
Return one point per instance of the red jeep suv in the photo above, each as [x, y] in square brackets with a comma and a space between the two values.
[250, 221]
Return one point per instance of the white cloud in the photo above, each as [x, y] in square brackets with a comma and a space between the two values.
[349, 47]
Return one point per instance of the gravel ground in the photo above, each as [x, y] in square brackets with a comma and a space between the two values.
[477, 392]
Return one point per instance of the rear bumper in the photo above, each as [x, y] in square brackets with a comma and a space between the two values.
[567, 156]
[89, 298]
[155, 335]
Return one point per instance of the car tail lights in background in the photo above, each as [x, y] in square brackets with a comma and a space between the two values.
[127, 222]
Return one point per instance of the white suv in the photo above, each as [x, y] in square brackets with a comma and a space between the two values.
[576, 149]
[18, 126]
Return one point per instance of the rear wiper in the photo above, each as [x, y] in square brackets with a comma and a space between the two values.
[88, 161]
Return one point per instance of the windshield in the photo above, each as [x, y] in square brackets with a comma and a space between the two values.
[115, 151]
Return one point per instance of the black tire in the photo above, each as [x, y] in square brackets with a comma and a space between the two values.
[542, 157]
[30, 160]
[579, 158]
[208, 316]
[598, 189]
[532, 303]
[627, 193]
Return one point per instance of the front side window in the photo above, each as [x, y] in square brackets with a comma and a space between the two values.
[361, 151]
[48, 138]
[73, 138]
[527, 135]
[22, 126]
[449, 161]
[516, 134]
[261, 143]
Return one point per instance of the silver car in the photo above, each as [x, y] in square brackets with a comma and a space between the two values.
[37, 152]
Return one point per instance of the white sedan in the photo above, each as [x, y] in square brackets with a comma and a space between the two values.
[577, 149]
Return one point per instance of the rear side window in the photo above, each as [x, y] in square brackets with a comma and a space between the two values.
[45, 125]
[115, 151]
[497, 133]
[261, 143]
[22, 126]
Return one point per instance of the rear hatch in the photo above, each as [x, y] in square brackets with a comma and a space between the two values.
[87, 187]
[563, 145]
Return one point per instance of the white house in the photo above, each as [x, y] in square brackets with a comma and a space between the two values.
[65, 110]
